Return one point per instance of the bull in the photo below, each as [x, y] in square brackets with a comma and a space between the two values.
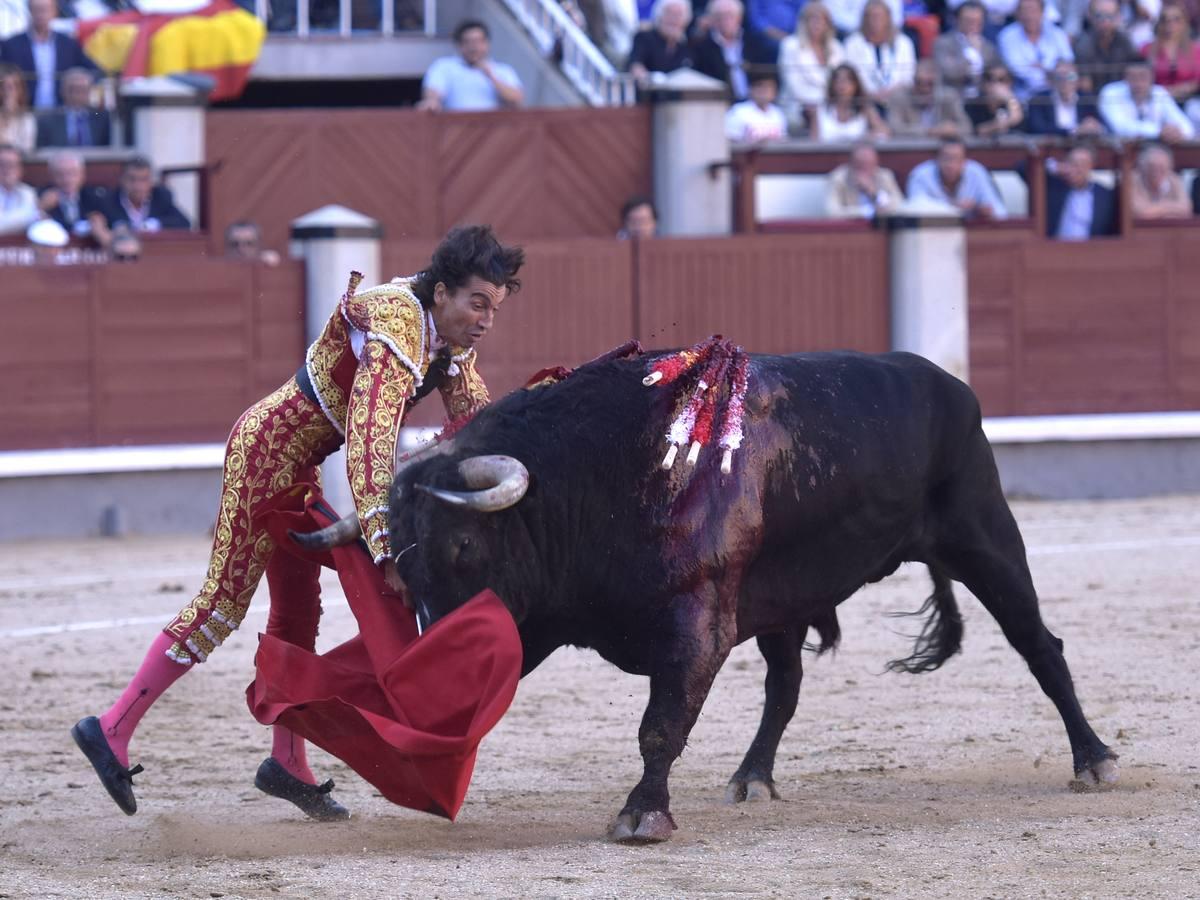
[852, 464]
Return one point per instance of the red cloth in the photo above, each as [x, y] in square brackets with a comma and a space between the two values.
[406, 714]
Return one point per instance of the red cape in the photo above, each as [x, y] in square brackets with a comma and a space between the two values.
[406, 714]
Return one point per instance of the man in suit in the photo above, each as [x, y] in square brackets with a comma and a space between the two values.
[138, 204]
[727, 50]
[77, 123]
[1076, 207]
[42, 54]
[964, 54]
[1062, 110]
[68, 201]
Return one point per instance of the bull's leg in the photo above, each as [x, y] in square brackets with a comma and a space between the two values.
[754, 779]
[988, 556]
[688, 661]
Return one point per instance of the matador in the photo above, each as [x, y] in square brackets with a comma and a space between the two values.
[380, 352]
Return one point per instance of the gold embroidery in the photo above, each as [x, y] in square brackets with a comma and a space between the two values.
[323, 356]
[464, 393]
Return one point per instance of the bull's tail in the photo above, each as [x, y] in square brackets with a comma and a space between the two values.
[941, 637]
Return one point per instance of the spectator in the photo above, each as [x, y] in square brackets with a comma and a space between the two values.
[882, 54]
[138, 204]
[861, 188]
[1062, 110]
[997, 111]
[69, 201]
[1137, 107]
[18, 126]
[757, 120]
[639, 219]
[42, 54]
[472, 80]
[726, 51]
[663, 48]
[806, 58]
[1157, 191]
[926, 109]
[125, 246]
[964, 54]
[1031, 47]
[77, 124]
[847, 113]
[774, 19]
[1103, 52]
[953, 179]
[1076, 207]
[847, 14]
[243, 241]
[18, 201]
[1174, 56]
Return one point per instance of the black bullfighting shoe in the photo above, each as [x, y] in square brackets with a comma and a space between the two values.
[117, 779]
[314, 800]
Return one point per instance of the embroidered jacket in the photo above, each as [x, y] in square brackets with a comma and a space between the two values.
[365, 369]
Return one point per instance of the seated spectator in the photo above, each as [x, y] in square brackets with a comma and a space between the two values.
[805, 60]
[1076, 207]
[1137, 107]
[1031, 47]
[926, 109]
[1156, 189]
[138, 204]
[1103, 52]
[774, 20]
[125, 246]
[43, 54]
[847, 113]
[18, 201]
[639, 219]
[964, 54]
[757, 120]
[664, 48]
[861, 188]
[882, 54]
[1174, 55]
[847, 14]
[18, 126]
[953, 179]
[77, 123]
[68, 201]
[471, 81]
[727, 51]
[997, 111]
[243, 241]
[1062, 110]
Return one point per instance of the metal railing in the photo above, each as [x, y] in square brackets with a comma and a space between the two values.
[559, 38]
[346, 18]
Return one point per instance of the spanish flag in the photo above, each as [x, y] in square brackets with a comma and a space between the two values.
[221, 40]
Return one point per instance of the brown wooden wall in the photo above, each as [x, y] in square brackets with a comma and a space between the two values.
[164, 351]
[1101, 326]
[530, 173]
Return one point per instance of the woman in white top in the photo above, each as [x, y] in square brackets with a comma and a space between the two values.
[882, 53]
[806, 58]
[847, 115]
[18, 126]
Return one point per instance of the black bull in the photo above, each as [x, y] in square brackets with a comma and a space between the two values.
[852, 465]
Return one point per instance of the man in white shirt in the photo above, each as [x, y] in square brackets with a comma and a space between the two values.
[1031, 47]
[470, 81]
[757, 120]
[18, 201]
[1137, 107]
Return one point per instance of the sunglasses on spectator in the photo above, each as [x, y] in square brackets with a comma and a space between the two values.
[1105, 17]
[1066, 76]
[125, 257]
[999, 79]
[243, 242]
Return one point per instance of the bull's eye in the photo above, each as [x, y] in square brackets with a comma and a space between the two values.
[459, 548]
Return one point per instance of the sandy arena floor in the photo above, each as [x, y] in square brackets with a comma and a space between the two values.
[945, 785]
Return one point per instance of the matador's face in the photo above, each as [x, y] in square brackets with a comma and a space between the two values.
[464, 316]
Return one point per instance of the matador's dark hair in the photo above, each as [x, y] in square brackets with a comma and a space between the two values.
[466, 252]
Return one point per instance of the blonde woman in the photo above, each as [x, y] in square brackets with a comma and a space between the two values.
[805, 60]
[882, 54]
[18, 127]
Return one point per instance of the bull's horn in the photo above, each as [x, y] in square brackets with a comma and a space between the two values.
[497, 483]
[348, 529]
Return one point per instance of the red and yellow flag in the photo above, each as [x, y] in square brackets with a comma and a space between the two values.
[221, 40]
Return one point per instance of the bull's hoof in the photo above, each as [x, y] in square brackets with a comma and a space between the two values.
[751, 790]
[651, 827]
[1102, 775]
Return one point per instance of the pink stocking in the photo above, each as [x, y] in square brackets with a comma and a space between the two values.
[288, 749]
[157, 673]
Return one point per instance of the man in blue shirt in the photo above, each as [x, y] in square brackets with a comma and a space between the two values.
[773, 19]
[1031, 47]
[470, 81]
[1076, 207]
[43, 54]
[957, 181]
